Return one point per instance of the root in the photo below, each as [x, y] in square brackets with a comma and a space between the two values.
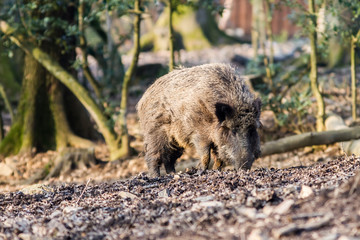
[64, 163]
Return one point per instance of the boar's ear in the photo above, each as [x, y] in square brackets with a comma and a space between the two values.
[223, 111]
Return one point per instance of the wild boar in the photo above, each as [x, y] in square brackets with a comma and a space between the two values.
[206, 107]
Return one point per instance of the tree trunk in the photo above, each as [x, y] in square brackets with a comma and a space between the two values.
[21, 137]
[320, 116]
[83, 46]
[269, 32]
[2, 134]
[64, 136]
[254, 30]
[171, 36]
[193, 30]
[125, 143]
[353, 78]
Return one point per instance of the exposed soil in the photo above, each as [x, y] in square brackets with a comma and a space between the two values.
[316, 202]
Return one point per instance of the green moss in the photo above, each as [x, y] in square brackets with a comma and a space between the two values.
[13, 140]
[185, 23]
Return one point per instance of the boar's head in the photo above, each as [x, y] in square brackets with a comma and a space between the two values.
[237, 139]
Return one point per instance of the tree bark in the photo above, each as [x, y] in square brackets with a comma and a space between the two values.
[125, 143]
[320, 116]
[269, 32]
[193, 30]
[85, 67]
[64, 136]
[171, 36]
[354, 40]
[21, 137]
[309, 139]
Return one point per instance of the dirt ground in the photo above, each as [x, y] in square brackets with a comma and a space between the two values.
[310, 193]
[315, 202]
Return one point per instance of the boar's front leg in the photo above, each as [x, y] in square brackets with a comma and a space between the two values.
[218, 163]
[203, 150]
[169, 156]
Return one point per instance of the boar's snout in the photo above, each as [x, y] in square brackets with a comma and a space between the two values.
[241, 148]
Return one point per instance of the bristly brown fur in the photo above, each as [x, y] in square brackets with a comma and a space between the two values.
[207, 107]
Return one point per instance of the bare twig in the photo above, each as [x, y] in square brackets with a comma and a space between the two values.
[83, 191]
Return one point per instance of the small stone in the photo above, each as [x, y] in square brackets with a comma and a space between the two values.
[56, 228]
[37, 189]
[55, 214]
[283, 207]
[5, 170]
[208, 204]
[25, 236]
[211, 204]
[306, 192]
[331, 236]
[347, 238]
[164, 193]
[71, 209]
[267, 210]
[204, 198]
[127, 195]
[176, 176]
[248, 212]
[256, 234]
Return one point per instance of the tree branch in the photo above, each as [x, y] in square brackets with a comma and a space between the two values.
[309, 139]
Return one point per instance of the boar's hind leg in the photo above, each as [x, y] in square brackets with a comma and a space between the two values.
[153, 145]
[169, 157]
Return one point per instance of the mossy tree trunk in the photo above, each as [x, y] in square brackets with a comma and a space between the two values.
[41, 122]
[64, 135]
[193, 30]
[320, 116]
[125, 143]
[354, 40]
[269, 32]
[21, 137]
[171, 36]
[83, 46]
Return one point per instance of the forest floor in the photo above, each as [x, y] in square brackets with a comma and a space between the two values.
[310, 193]
[316, 202]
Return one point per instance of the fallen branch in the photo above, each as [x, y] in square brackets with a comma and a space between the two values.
[309, 139]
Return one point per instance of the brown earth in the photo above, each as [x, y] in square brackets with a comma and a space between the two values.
[315, 202]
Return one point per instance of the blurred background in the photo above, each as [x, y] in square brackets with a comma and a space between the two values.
[71, 73]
